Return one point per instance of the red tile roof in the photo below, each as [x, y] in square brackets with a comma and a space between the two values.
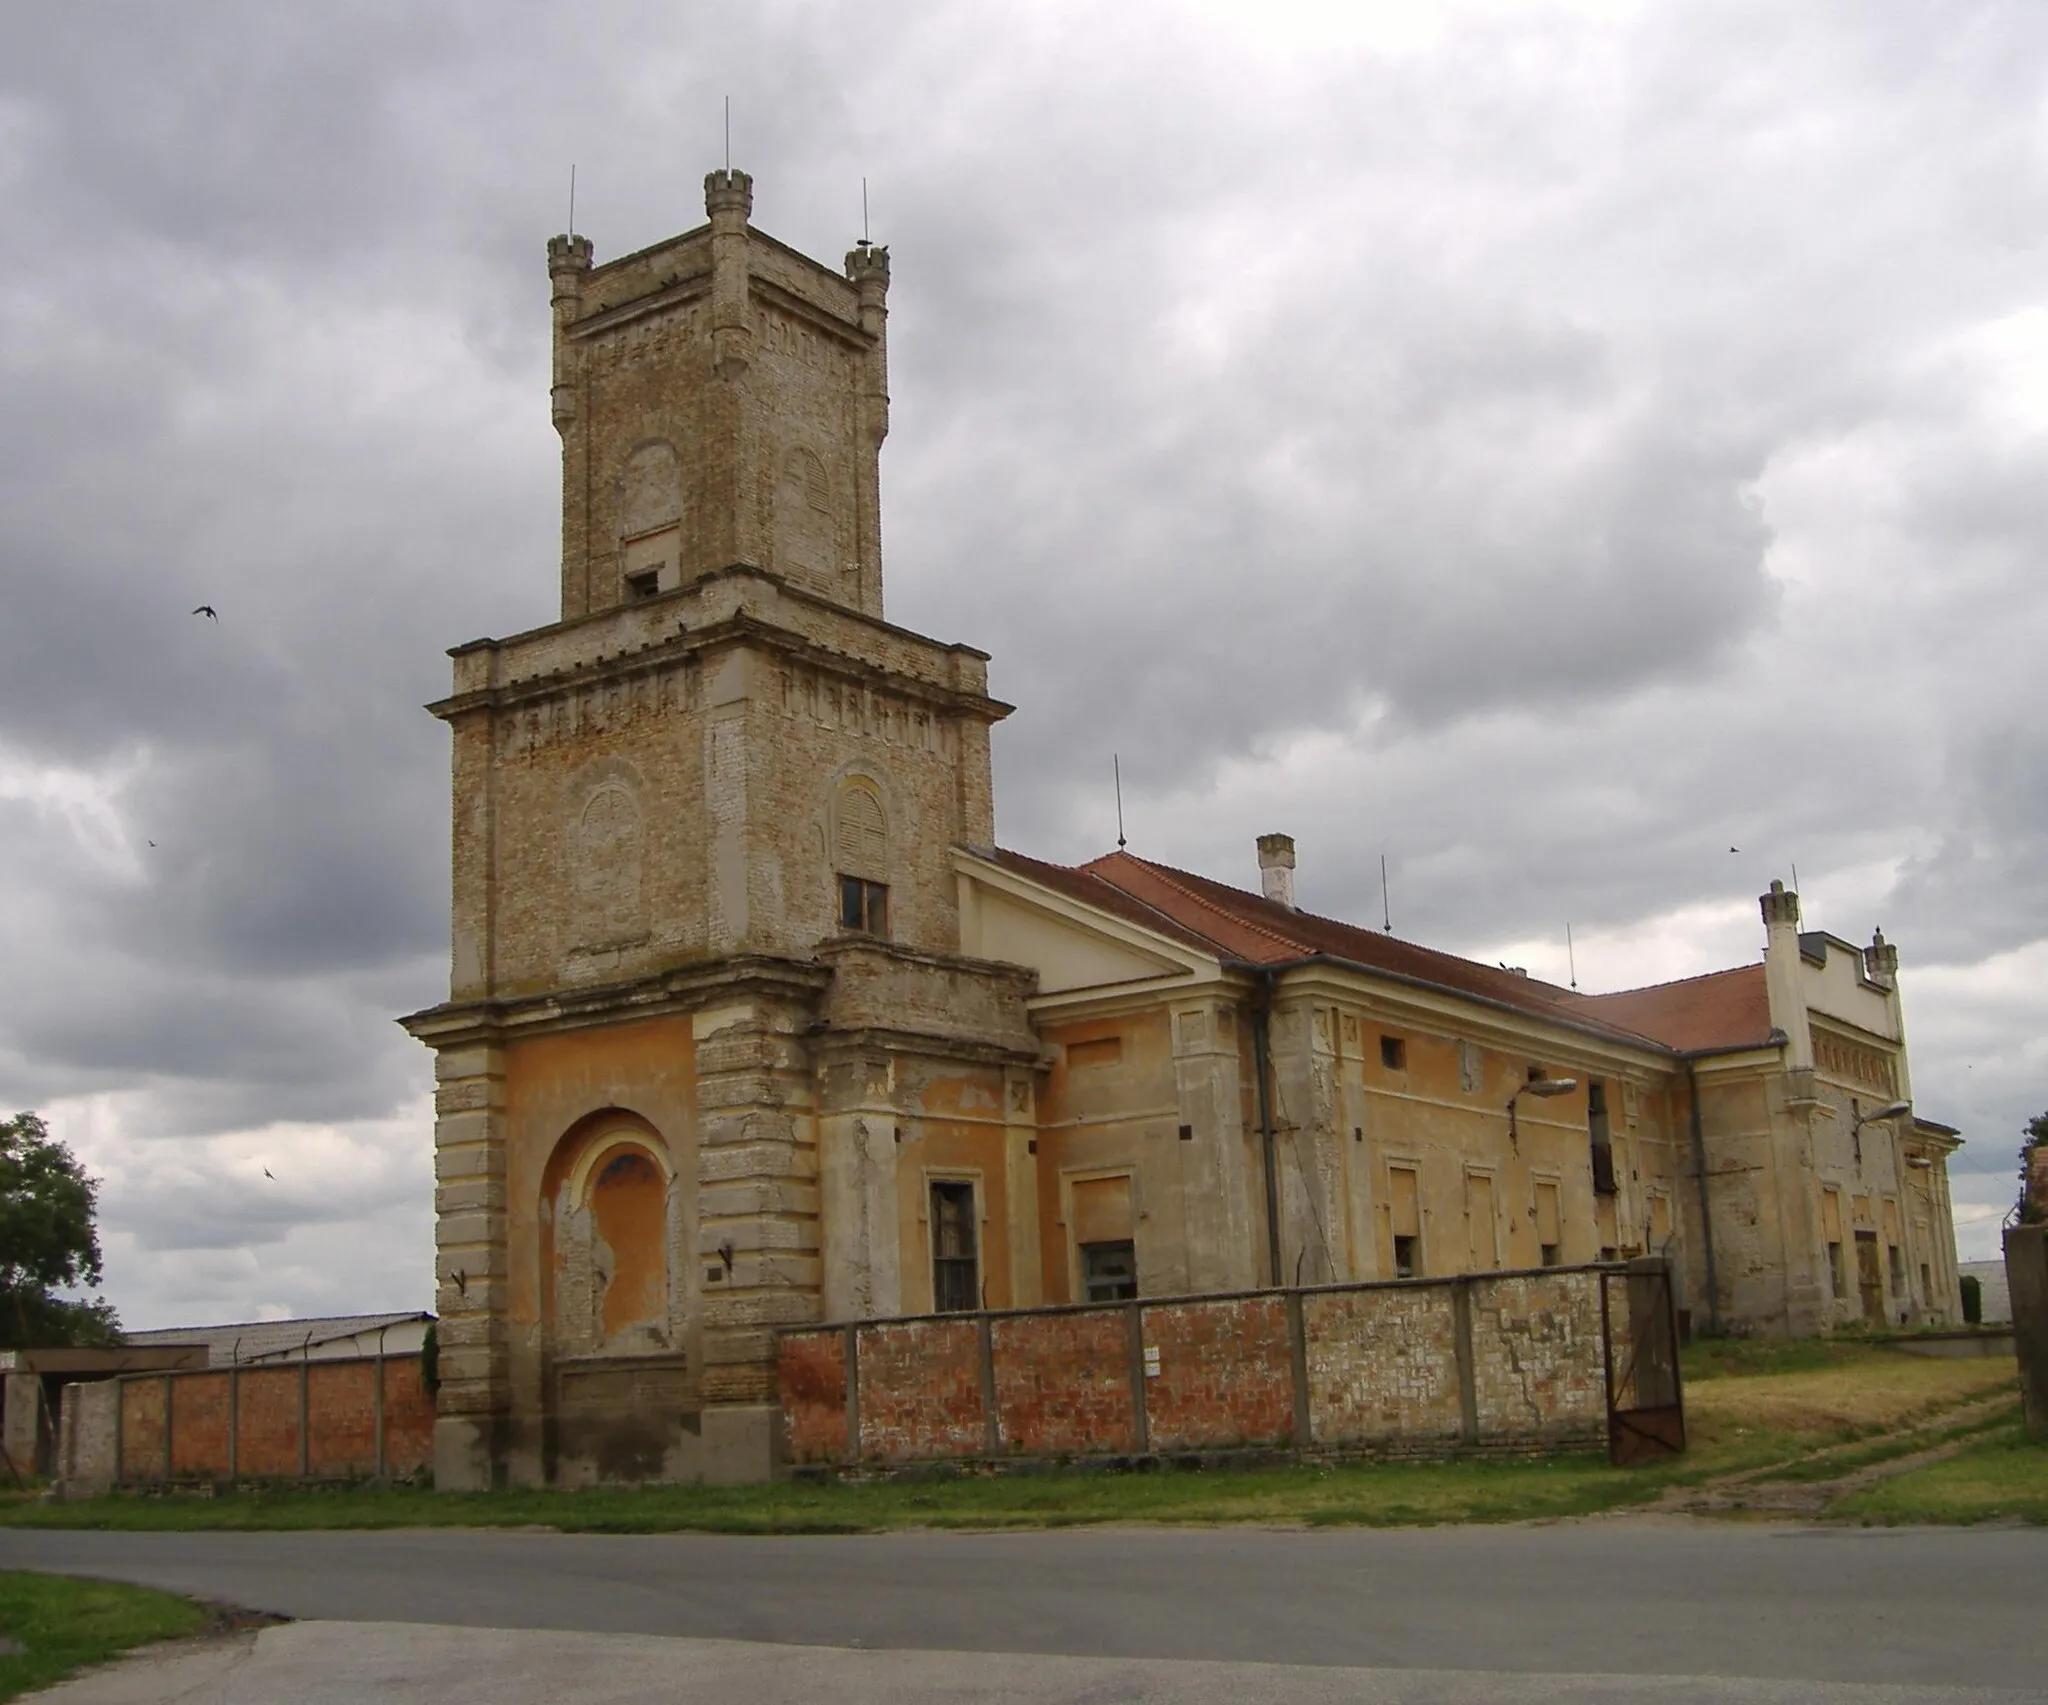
[1725, 1008]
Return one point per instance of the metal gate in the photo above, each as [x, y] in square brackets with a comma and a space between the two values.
[1645, 1395]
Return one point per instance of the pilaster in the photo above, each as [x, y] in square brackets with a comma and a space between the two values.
[472, 1268]
[757, 1178]
[1225, 1240]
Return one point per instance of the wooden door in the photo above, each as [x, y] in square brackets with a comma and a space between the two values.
[1869, 1280]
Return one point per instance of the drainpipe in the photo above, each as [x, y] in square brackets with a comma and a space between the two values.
[1699, 1162]
[1262, 1064]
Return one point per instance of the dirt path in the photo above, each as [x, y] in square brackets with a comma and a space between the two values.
[1772, 1490]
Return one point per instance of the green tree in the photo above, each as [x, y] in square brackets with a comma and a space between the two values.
[2034, 1171]
[47, 1242]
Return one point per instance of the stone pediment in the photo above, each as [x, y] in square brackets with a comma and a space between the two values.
[1072, 946]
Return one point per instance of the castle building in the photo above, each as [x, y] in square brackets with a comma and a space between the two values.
[751, 1024]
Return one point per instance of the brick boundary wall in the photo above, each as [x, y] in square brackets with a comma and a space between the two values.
[1507, 1363]
[348, 1418]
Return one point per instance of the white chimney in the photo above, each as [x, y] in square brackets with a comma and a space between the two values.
[1276, 868]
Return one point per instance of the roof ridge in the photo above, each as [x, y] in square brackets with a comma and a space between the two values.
[1674, 982]
[1178, 881]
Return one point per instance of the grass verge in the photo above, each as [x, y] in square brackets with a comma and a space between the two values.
[1366, 1494]
[2002, 1478]
[63, 1625]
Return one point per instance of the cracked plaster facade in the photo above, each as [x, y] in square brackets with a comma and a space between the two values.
[680, 1105]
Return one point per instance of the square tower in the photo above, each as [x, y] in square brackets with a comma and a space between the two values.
[721, 399]
[706, 929]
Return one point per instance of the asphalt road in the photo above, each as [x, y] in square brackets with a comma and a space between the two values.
[1925, 1608]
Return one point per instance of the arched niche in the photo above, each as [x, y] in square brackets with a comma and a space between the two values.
[607, 1201]
[805, 534]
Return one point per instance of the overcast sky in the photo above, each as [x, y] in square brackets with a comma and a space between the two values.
[1547, 445]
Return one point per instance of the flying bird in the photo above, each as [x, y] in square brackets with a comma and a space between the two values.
[1735, 849]
[267, 1173]
[208, 611]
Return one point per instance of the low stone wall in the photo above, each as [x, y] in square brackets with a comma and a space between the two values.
[1482, 1362]
[346, 1419]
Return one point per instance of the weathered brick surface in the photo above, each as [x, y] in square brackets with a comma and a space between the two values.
[142, 1429]
[341, 1407]
[268, 1422]
[408, 1418]
[920, 1390]
[264, 1406]
[199, 1425]
[1225, 1374]
[1538, 1370]
[1063, 1384]
[1382, 1366]
[813, 1384]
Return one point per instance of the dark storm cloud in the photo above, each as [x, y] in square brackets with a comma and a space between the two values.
[1549, 446]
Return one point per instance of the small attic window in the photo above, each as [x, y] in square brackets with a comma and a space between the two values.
[1394, 1053]
[645, 584]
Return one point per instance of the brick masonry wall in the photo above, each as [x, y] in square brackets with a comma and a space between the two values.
[142, 1428]
[1511, 1361]
[1538, 1369]
[341, 1404]
[267, 1433]
[813, 1378]
[263, 1404]
[199, 1423]
[1382, 1366]
[1063, 1383]
[920, 1390]
[1225, 1374]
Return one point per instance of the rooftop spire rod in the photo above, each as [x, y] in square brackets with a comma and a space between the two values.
[1116, 769]
[728, 135]
[1571, 956]
[863, 212]
[1386, 904]
[572, 198]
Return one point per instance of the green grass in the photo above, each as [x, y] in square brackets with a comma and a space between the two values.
[63, 1625]
[2003, 1478]
[1370, 1494]
[1723, 1358]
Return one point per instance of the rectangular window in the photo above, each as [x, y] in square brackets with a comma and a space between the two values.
[1926, 1285]
[1831, 1234]
[1404, 1201]
[1660, 1224]
[956, 1265]
[1483, 1253]
[1105, 1244]
[1837, 1278]
[1393, 1053]
[1109, 1271]
[1602, 1137]
[1898, 1265]
[863, 906]
[1549, 1223]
